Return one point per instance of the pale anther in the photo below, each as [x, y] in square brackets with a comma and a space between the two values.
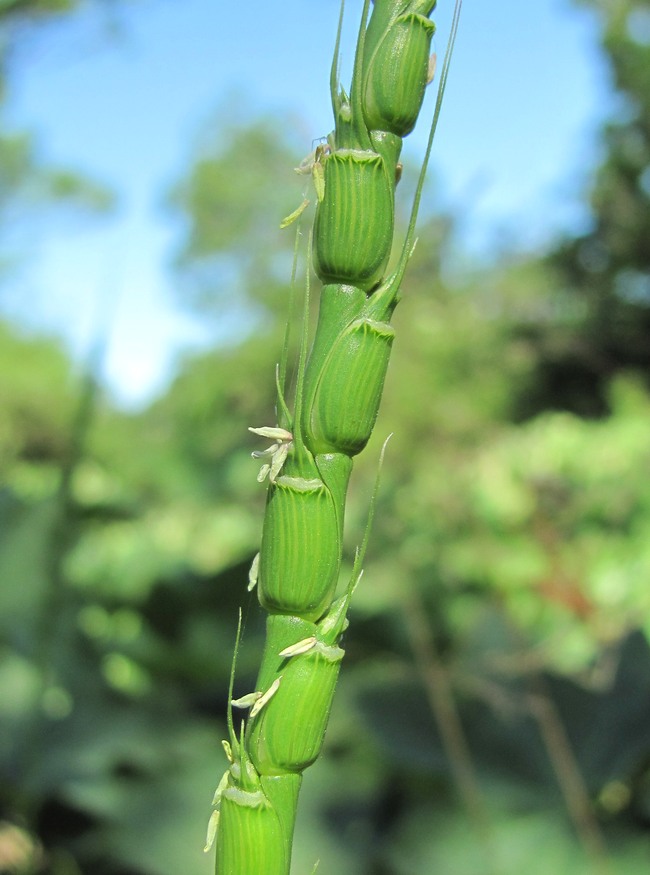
[264, 470]
[223, 783]
[246, 701]
[261, 702]
[213, 823]
[431, 69]
[275, 455]
[299, 647]
[291, 218]
[273, 432]
[252, 574]
[279, 458]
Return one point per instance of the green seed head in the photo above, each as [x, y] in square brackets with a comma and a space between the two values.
[353, 228]
[348, 390]
[287, 734]
[300, 552]
[395, 75]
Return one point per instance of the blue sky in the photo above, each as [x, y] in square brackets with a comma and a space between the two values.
[516, 144]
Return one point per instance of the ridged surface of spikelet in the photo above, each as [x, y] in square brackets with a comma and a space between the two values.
[353, 229]
[396, 75]
[303, 512]
[346, 400]
[287, 734]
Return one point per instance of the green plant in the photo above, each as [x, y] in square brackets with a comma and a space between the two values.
[338, 390]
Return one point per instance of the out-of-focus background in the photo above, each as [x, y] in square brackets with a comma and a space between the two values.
[493, 711]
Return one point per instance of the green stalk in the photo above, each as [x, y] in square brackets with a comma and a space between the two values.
[338, 391]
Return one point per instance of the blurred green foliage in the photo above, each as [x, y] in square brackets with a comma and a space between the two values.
[493, 709]
[606, 270]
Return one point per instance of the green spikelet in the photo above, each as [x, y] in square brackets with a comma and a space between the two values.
[347, 399]
[385, 13]
[345, 375]
[252, 836]
[301, 510]
[353, 228]
[287, 734]
[396, 75]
